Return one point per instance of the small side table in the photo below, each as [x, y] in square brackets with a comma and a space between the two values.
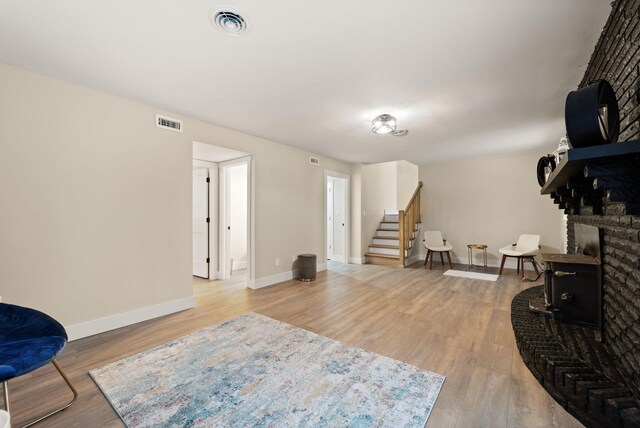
[472, 247]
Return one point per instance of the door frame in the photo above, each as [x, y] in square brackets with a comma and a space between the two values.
[347, 204]
[224, 271]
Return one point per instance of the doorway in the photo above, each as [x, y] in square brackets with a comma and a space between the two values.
[222, 213]
[337, 216]
[234, 215]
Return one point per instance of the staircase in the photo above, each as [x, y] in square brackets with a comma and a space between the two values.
[395, 238]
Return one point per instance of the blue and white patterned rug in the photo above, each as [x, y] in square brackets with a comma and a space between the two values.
[256, 371]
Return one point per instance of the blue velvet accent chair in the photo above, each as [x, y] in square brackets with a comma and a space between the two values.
[29, 339]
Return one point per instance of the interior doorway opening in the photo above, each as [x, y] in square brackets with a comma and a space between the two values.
[336, 187]
[222, 213]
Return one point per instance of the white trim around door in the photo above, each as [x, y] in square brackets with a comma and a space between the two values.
[347, 195]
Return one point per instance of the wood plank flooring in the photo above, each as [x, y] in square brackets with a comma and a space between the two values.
[458, 327]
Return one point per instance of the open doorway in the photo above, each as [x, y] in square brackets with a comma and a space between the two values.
[222, 215]
[234, 215]
[336, 216]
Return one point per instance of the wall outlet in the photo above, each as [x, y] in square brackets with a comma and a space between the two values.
[277, 262]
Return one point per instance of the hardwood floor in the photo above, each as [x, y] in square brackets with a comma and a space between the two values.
[454, 326]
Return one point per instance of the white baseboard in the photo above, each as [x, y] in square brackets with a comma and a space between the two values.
[279, 277]
[357, 260]
[100, 325]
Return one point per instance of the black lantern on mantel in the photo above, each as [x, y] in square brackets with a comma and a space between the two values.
[592, 116]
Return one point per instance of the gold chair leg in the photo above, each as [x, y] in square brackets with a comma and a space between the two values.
[67, 381]
[5, 392]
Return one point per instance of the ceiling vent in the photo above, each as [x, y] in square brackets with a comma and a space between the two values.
[314, 161]
[229, 20]
[168, 123]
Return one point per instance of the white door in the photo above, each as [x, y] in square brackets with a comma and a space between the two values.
[339, 219]
[330, 218]
[200, 224]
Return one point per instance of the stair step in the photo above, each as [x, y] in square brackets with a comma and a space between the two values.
[383, 259]
[379, 249]
[384, 246]
[386, 249]
[383, 256]
[391, 218]
[390, 233]
[386, 240]
[389, 225]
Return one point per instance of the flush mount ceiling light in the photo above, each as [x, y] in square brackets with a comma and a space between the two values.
[229, 20]
[386, 124]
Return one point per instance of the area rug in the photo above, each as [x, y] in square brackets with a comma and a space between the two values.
[474, 275]
[256, 371]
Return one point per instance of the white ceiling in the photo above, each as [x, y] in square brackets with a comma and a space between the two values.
[467, 78]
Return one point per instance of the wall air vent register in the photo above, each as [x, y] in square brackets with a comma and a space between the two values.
[168, 123]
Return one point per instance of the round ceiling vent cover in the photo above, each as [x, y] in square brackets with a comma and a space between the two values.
[229, 20]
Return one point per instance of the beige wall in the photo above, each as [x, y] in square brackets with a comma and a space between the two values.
[238, 213]
[96, 201]
[379, 193]
[489, 200]
[407, 181]
[355, 248]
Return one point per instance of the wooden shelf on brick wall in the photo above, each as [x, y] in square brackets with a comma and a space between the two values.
[596, 179]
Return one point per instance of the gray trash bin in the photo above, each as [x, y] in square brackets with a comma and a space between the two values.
[307, 267]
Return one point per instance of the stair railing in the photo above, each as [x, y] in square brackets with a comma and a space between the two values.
[407, 220]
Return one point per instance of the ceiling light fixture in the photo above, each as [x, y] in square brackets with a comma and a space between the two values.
[386, 124]
[229, 20]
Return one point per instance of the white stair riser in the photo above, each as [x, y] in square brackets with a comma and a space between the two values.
[388, 251]
[386, 241]
[392, 226]
[390, 217]
[379, 241]
[389, 233]
[391, 212]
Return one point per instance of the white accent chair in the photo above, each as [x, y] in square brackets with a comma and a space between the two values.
[525, 249]
[5, 421]
[435, 243]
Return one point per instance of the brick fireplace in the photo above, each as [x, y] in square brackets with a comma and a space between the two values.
[597, 377]
[616, 58]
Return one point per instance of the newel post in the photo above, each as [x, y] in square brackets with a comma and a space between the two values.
[401, 236]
